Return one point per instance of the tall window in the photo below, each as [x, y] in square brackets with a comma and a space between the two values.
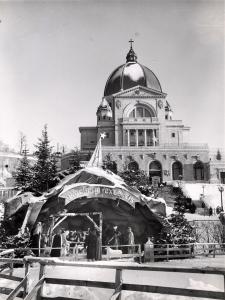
[141, 112]
[198, 170]
[177, 170]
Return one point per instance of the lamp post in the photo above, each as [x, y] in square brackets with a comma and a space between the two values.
[221, 189]
[180, 177]
[203, 190]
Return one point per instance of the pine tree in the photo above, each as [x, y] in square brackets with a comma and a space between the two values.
[75, 161]
[139, 180]
[180, 230]
[218, 155]
[110, 164]
[23, 175]
[44, 170]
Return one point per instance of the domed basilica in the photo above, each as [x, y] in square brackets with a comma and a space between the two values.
[140, 130]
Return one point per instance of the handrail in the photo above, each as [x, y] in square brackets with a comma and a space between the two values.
[119, 284]
[15, 292]
[104, 246]
[6, 252]
[53, 262]
[35, 289]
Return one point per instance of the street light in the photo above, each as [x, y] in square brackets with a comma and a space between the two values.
[203, 190]
[180, 177]
[221, 189]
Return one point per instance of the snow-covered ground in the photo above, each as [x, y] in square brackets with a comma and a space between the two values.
[181, 280]
[212, 196]
[194, 217]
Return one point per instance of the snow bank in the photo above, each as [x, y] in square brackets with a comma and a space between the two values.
[193, 217]
[212, 195]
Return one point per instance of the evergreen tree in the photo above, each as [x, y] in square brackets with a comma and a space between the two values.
[180, 231]
[75, 161]
[23, 175]
[110, 164]
[218, 155]
[44, 170]
[139, 180]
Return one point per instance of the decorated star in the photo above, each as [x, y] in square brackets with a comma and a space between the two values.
[102, 135]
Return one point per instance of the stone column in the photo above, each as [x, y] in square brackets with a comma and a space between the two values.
[145, 135]
[136, 137]
[128, 137]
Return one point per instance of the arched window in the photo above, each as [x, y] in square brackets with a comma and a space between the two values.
[177, 170]
[133, 166]
[155, 170]
[198, 170]
[141, 112]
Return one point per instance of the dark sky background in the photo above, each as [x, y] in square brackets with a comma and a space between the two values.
[55, 58]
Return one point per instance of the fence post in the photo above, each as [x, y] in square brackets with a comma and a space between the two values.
[214, 250]
[41, 273]
[167, 252]
[25, 289]
[118, 284]
[107, 253]
[11, 265]
[76, 255]
[139, 252]
[224, 284]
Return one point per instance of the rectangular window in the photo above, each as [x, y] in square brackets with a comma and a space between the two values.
[173, 134]
[139, 112]
[132, 115]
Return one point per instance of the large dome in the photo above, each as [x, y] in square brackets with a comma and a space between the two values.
[129, 75]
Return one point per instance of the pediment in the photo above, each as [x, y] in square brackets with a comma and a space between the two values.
[139, 92]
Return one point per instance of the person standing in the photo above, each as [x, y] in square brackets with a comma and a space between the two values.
[98, 255]
[36, 240]
[115, 239]
[130, 240]
[56, 244]
[91, 244]
[65, 243]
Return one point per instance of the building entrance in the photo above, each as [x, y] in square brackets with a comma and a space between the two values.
[222, 177]
[177, 170]
[155, 170]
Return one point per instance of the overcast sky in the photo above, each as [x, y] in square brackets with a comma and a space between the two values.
[55, 58]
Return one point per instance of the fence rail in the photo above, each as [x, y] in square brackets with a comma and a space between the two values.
[160, 252]
[119, 285]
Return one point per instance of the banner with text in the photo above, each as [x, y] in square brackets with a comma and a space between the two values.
[98, 192]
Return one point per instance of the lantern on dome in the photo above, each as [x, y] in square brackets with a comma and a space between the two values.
[104, 110]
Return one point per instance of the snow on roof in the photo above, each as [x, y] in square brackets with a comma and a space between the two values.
[115, 179]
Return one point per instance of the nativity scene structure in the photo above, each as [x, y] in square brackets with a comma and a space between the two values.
[92, 197]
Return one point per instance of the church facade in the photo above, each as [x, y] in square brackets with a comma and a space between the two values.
[140, 131]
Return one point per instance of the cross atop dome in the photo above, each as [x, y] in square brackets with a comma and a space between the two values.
[131, 41]
[131, 55]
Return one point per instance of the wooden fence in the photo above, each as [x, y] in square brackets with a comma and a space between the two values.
[160, 252]
[8, 263]
[168, 251]
[118, 285]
